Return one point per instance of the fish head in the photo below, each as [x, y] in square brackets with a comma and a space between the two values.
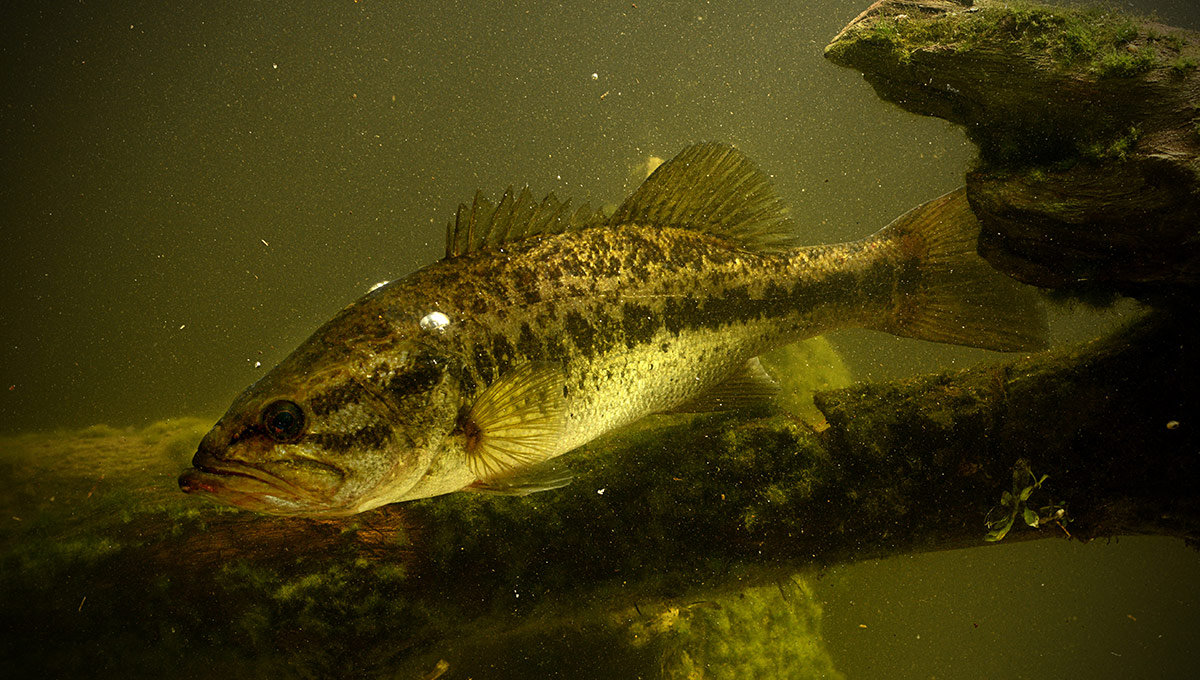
[330, 436]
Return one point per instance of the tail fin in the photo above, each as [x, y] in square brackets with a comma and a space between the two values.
[946, 292]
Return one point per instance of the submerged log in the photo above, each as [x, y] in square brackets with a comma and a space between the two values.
[1087, 126]
[669, 533]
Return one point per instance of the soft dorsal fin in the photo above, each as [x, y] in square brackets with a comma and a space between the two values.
[713, 188]
[484, 224]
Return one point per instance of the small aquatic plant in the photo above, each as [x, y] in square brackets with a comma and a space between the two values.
[1001, 518]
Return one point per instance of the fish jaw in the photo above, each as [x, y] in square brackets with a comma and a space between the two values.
[284, 487]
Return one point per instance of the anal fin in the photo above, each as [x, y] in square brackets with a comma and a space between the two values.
[750, 385]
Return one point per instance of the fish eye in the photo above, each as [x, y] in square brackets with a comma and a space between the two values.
[283, 420]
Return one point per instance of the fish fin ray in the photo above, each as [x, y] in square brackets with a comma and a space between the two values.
[486, 225]
[713, 188]
[951, 294]
[748, 386]
[517, 421]
[541, 477]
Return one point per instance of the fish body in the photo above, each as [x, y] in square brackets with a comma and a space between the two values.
[544, 328]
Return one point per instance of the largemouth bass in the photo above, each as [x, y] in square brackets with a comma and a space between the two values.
[545, 327]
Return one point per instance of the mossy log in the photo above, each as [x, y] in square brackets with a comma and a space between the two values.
[669, 530]
[1088, 128]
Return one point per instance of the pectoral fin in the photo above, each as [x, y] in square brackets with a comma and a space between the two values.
[516, 422]
[748, 386]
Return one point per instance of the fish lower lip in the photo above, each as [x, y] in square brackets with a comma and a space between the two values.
[225, 472]
[206, 479]
[216, 477]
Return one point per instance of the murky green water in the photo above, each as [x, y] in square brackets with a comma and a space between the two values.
[188, 191]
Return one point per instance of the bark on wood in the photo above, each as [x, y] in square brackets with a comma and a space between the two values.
[679, 512]
[1087, 126]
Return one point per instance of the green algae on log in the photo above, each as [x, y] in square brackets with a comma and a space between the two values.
[1088, 125]
[649, 553]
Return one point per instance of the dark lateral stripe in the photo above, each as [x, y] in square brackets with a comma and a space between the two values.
[639, 323]
[527, 343]
[335, 397]
[416, 378]
[601, 329]
[581, 333]
[733, 305]
[650, 264]
[372, 436]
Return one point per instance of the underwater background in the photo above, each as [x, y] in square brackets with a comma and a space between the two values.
[190, 189]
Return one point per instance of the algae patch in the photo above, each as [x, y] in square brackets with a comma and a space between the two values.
[1092, 39]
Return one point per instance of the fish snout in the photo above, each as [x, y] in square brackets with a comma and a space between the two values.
[210, 472]
[205, 457]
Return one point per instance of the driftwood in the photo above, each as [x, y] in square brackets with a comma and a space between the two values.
[679, 543]
[671, 528]
[1086, 124]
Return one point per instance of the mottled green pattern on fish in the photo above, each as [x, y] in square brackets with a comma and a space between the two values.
[545, 329]
[649, 313]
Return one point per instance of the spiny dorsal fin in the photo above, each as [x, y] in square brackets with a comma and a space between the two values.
[517, 421]
[484, 224]
[713, 188]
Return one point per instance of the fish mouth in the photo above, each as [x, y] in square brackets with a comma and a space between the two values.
[210, 479]
[282, 487]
